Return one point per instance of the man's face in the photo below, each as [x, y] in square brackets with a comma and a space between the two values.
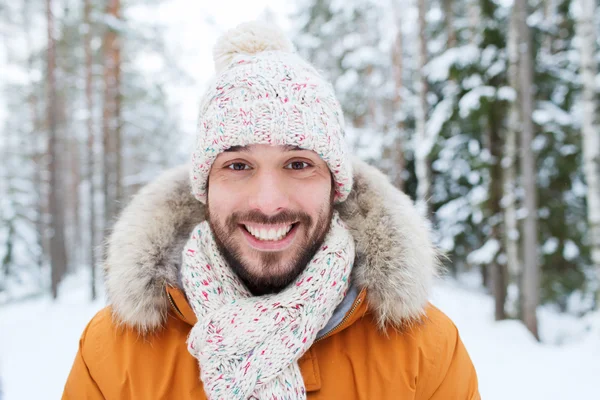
[269, 208]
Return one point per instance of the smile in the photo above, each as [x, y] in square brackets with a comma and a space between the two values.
[268, 233]
[269, 237]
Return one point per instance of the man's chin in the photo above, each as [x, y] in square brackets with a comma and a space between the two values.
[265, 272]
[267, 277]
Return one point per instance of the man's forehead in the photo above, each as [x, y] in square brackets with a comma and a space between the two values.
[248, 149]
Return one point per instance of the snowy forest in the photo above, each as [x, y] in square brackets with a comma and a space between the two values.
[486, 112]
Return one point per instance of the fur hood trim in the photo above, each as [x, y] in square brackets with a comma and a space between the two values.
[396, 261]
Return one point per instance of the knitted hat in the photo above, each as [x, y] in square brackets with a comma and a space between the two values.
[264, 93]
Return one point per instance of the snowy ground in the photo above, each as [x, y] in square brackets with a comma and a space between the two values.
[38, 341]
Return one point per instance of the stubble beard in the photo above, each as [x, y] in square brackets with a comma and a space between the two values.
[275, 273]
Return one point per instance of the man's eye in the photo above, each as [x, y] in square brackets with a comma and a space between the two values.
[297, 165]
[238, 166]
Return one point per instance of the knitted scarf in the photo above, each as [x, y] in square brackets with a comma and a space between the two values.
[248, 346]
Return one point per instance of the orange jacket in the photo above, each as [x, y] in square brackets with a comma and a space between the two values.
[355, 361]
[391, 344]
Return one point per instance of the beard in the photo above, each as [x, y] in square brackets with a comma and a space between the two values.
[275, 272]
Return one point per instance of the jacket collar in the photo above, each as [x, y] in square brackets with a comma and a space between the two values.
[183, 310]
[396, 261]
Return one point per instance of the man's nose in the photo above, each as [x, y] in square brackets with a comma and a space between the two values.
[269, 193]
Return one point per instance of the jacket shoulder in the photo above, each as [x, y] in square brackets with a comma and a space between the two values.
[106, 332]
[436, 325]
[101, 326]
[446, 367]
[115, 352]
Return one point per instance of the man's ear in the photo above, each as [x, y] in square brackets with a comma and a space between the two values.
[332, 191]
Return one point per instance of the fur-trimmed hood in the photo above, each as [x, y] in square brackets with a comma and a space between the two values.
[396, 261]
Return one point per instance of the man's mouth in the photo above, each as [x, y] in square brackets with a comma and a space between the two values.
[267, 237]
[272, 233]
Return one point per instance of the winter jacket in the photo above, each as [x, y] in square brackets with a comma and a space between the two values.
[390, 344]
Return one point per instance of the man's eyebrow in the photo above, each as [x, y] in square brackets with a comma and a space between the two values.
[293, 148]
[243, 149]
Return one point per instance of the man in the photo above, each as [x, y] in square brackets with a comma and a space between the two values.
[280, 270]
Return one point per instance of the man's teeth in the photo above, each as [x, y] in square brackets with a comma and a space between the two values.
[268, 234]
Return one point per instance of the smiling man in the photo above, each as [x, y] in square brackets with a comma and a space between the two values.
[281, 270]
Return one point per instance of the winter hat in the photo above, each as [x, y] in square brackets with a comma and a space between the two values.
[265, 93]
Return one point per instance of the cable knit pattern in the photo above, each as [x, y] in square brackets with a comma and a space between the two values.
[248, 346]
[267, 94]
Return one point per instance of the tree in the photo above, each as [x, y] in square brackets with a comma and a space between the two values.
[111, 121]
[90, 140]
[531, 278]
[58, 255]
[423, 141]
[397, 103]
[50, 103]
[590, 127]
[509, 162]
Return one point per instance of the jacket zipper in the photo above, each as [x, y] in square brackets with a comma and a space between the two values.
[343, 321]
[174, 307]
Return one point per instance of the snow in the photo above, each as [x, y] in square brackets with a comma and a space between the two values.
[485, 254]
[538, 143]
[506, 93]
[474, 147]
[440, 114]
[578, 188]
[39, 339]
[478, 195]
[550, 245]
[471, 100]
[551, 113]
[438, 69]
[510, 363]
[570, 251]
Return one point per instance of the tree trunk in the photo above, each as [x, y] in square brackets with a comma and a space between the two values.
[36, 152]
[509, 161]
[58, 256]
[74, 201]
[110, 124]
[531, 276]
[474, 19]
[398, 70]
[89, 95]
[8, 255]
[498, 270]
[450, 28]
[422, 146]
[586, 31]
[549, 8]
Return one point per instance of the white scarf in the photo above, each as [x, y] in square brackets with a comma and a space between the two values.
[248, 346]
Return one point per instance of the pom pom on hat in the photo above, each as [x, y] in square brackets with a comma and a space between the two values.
[249, 38]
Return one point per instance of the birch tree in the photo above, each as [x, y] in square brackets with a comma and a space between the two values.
[509, 162]
[590, 131]
[87, 44]
[531, 271]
